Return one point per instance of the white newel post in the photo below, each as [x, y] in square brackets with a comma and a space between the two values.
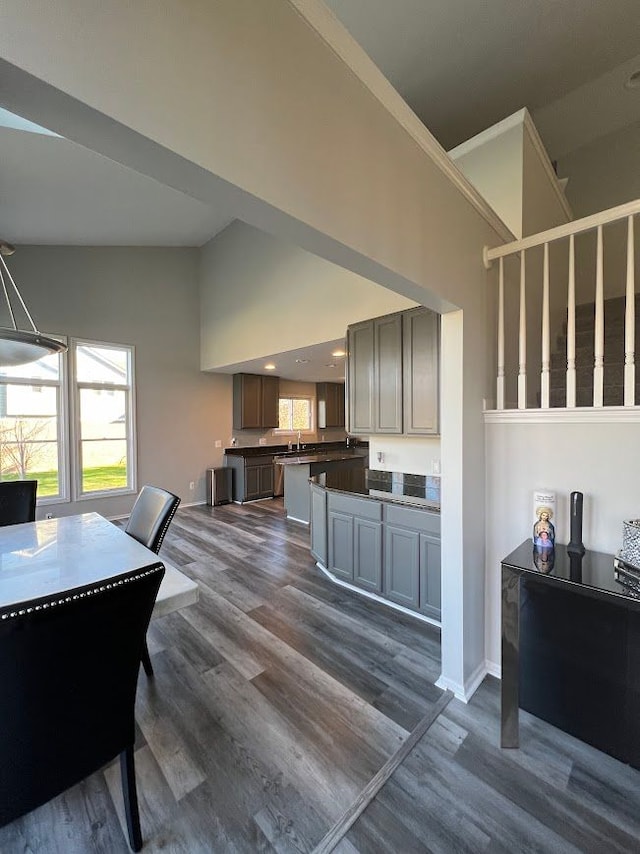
[571, 327]
[630, 323]
[546, 348]
[522, 354]
[500, 380]
[598, 364]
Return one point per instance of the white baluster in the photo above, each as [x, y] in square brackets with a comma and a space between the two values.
[546, 347]
[522, 372]
[598, 343]
[500, 380]
[630, 323]
[571, 327]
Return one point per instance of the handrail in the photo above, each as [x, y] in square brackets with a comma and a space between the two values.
[587, 223]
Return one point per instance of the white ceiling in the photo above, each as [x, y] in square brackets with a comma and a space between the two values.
[308, 364]
[462, 65]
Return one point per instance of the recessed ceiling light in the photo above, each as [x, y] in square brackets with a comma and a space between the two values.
[338, 353]
[633, 80]
[330, 366]
[302, 361]
[270, 367]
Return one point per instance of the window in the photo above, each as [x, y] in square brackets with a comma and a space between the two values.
[50, 427]
[33, 425]
[295, 413]
[103, 400]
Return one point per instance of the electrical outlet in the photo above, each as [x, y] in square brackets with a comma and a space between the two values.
[262, 441]
[192, 485]
[218, 443]
[48, 516]
[436, 466]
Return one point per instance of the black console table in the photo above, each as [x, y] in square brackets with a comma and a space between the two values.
[571, 648]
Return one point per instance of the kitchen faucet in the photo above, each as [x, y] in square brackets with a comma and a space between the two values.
[298, 440]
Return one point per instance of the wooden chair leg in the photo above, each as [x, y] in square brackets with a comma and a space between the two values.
[130, 794]
[146, 660]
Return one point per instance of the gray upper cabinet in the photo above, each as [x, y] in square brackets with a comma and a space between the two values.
[387, 374]
[393, 374]
[255, 401]
[421, 349]
[360, 343]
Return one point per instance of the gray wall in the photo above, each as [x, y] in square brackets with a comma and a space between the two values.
[147, 297]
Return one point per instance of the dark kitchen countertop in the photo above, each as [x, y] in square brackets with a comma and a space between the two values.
[356, 482]
[308, 457]
[283, 450]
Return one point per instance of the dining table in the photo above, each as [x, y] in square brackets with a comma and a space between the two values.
[54, 556]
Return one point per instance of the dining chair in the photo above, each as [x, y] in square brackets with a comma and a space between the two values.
[17, 501]
[69, 673]
[150, 518]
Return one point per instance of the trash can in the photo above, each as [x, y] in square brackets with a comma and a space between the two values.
[219, 486]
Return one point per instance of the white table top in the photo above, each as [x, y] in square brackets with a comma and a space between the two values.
[45, 558]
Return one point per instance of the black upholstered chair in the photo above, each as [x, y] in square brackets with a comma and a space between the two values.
[150, 517]
[17, 501]
[69, 672]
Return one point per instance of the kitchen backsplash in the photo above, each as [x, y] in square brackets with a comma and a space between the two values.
[251, 438]
[422, 486]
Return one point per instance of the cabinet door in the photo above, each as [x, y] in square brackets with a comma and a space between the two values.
[247, 401]
[266, 479]
[360, 339]
[421, 371]
[319, 524]
[340, 542]
[430, 581]
[335, 405]
[251, 482]
[387, 382]
[367, 554]
[270, 401]
[402, 566]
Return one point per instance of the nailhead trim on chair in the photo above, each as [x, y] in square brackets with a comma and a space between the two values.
[83, 595]
[166, 526]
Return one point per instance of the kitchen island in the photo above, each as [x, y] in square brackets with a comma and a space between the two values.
[378, 543]
[299, 467]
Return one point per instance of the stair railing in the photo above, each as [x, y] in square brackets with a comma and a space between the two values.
[595, 222]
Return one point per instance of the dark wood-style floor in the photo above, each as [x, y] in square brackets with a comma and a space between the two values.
[279, 696]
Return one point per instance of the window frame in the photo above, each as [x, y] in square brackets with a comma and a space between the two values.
[76, 386]
[62, 413]
[312, 415]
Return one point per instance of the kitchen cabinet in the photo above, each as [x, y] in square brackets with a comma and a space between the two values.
[359, 374]
[420, 371]
[255, 401]
[392, 374]
[354, 533]
[384, 547]
[319, 524]
[412, 558]
[330, 397]
[429, 601]
[252, 476]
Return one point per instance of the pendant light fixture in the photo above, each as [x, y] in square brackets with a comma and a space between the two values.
[19, 346]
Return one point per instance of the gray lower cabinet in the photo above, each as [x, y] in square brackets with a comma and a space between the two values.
[430, 576]
[354, 539]
[402, 566]
[412, 558]
[319, 524]
[252, 476]
[385, 548]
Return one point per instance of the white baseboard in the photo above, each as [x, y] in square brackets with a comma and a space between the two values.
[464, 692]
[493, 669]
[368, 595]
